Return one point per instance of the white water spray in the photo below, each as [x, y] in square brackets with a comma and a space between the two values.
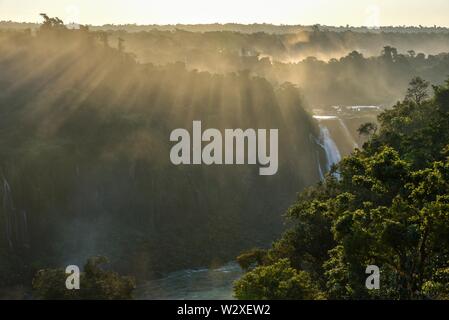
[329, 146]
[333, 155]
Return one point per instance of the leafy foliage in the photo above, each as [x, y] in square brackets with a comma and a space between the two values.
[250, 258]
[385, 205]
[276, 281]
[95, 283]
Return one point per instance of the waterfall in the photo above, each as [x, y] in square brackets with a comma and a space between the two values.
[320, 170]
[336, 138]
[329, 146]
[333, 155]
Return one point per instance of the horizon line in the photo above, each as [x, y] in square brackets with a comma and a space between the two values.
[419, 26]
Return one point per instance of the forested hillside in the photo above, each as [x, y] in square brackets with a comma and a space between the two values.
[85, 167]
[86, 115]
[332, 68]
[385, 205]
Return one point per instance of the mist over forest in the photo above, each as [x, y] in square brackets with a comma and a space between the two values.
[85, 157]
[86, 114]
[329, 64]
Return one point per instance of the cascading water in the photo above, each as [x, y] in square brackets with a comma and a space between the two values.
[333, 155]
[329, 146]
[320, 171]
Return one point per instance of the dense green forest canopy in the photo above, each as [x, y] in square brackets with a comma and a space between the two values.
[385, 205]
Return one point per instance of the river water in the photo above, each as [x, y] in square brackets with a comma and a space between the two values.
[193, 284]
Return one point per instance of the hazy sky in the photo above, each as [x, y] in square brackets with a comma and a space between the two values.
[328, 12]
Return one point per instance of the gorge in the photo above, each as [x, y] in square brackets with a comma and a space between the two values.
[217, 283]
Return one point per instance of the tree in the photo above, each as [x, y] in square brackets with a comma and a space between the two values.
[411, 53]
[418, 90]
[96, 283]
[390, 53]
[367, 129]
[51, 23]
[276, 282]
[251, 258]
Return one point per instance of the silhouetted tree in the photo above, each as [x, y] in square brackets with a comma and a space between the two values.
[51, 23]
[418, 90]
[367, 129]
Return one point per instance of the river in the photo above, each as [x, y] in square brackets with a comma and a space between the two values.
[193, 284]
